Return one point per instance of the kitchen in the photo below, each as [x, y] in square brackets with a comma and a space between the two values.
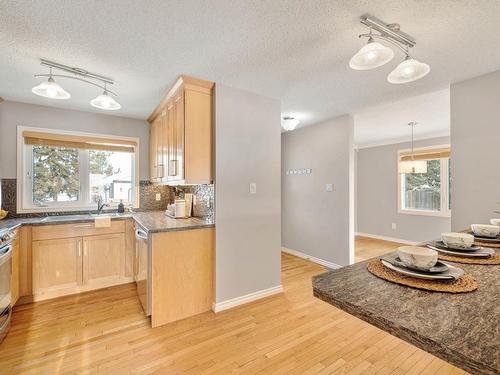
[178, 185]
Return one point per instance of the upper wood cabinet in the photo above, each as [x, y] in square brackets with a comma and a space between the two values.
[181, 141]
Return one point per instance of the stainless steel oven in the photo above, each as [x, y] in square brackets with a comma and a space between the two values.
[6, 238]
[143, 268]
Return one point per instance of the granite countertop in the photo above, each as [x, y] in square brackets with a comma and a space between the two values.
[157, 221]
[152, 221]
[462, 329]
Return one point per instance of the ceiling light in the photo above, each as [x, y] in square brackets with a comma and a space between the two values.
[106, 102]
[371, 56]
[412, 166]
[375, 54]
[51, 90]
[409, 70]
[289, 123]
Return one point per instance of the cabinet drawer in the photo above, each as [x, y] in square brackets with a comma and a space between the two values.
[46, 232]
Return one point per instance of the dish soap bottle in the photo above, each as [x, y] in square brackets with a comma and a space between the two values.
[121, 207]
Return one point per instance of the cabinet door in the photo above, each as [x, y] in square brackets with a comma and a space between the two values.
[57, 265]
[153, 171]
[103, 259]
[171, 141]
[178, 136]
[159, 149]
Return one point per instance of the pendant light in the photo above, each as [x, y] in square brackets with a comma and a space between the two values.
[371, 56]
[105, 101]
[289, 123]
[412, 166]
[374, 54]
[408, 71]
[50, 89]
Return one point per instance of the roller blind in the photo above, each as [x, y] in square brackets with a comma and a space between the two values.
[77, 141]
[441, 153]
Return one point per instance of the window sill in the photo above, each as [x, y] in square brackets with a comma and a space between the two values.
[425, 213]
[69, 210]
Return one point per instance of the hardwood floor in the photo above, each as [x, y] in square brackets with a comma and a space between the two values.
[367, 248]
[105, 332]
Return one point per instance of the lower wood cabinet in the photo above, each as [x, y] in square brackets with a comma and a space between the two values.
[72, 265]
[14, 279]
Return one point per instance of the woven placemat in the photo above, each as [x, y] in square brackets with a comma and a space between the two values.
[486, 243]
[466, 283]
[495, 259]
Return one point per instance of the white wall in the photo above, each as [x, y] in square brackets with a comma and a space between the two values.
[377, 196]
[316, 222]
[247, 138]
[475, 150]
[13, 114]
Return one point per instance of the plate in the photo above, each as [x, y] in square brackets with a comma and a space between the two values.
[483, 253]
[396, 261]
[485, 239]
[442, 245]
[451, 274]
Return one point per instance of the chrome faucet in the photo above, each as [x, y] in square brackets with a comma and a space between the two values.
[100, 206]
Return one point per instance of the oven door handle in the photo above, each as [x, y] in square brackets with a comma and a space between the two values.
[5, 256]
[141, 235]
[4, 313]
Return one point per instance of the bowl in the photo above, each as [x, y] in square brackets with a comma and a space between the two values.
[485, 230]
[3, 214]
[457, 240]
[495, 222]
[419, 258]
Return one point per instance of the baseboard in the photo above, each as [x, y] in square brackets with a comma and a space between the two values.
[311, 258]
[385, 238]
[230, 303]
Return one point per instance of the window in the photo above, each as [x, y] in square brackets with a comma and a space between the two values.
[426, 193]
[72, 171]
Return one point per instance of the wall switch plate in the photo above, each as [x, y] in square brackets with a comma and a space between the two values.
[253, 188]
[329, 187]
[394, 226]
[158, 196]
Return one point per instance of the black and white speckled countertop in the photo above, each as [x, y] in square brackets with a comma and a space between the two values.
[462, 329]
[152, 221]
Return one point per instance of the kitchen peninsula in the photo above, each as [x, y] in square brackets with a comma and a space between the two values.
[459, 328]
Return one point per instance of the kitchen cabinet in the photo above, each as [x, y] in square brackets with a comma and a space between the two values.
[57, 265]
[103, 259]
[181, 134]
[182, 274]
[14, 277]
[73, 258]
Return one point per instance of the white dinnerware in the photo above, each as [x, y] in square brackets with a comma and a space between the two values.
[485, 230]
[457, 240]
[420, 258]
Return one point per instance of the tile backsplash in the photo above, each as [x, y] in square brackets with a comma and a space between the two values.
[202, 206]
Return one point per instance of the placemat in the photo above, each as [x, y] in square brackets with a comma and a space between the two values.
[495, 259]
[486, 244]
[466, 283]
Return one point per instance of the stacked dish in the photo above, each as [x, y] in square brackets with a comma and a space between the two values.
[421, 263]
[460, 244]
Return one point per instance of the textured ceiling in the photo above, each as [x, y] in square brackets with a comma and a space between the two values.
[388, 123]
[294, 50]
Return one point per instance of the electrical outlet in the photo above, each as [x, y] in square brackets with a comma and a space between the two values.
[158, 196]
[329, 187]
[253, 188]
[394, 226]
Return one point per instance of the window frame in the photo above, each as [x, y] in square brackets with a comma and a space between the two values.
[24, 165]
[445, 210]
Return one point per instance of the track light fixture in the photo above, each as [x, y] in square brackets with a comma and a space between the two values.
[52, 90]
[374, 54]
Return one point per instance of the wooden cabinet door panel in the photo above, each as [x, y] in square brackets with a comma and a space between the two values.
[57, 264]
[14, 279]
[103, 258]
[178, 147]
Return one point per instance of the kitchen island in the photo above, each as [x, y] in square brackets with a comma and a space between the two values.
[462, 329]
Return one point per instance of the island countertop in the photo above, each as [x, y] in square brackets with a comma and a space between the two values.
[462, 329]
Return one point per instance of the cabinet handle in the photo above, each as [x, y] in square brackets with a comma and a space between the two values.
[83, 226]
[161, 169]
[174, 168]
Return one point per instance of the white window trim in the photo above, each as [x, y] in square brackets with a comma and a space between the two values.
[445, 211]
[22, 167]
